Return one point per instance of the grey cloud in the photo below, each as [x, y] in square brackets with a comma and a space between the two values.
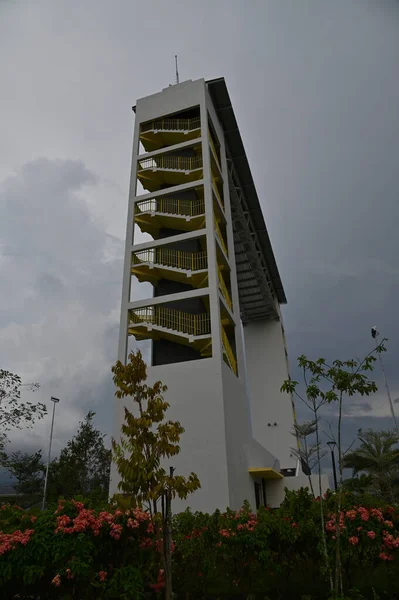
[315, 93]
[62, 307]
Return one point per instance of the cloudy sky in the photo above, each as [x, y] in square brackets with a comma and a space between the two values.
[316, 93]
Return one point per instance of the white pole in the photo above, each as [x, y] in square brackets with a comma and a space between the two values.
[55, 401]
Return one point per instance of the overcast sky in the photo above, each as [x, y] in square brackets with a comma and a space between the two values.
[315, 88]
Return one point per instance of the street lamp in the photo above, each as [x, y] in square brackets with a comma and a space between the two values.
[332, 446]
[374, 335]
[54, 401]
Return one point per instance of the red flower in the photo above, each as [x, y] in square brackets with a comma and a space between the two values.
[56, 581]
[102, 575]
[353, 540]
[385, 556]
[371, 534]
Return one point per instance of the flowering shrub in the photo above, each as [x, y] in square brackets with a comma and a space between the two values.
[75, 552]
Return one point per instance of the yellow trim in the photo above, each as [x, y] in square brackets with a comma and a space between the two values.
[220, 237]
[216, 192]
[213, 148]
[232, 362]
[265, 472]
[224, 290]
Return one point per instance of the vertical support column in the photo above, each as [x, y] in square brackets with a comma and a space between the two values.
[230, 241]
[123, 332]
[210, 233]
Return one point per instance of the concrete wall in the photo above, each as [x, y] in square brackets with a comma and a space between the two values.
[267, 368]
[275, 489]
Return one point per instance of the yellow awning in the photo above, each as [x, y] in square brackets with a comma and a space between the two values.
[265, 472]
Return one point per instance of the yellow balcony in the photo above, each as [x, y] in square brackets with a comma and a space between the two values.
[169, 170]
[167, 263]
[170, 213]
[168, 132]
[160, 322]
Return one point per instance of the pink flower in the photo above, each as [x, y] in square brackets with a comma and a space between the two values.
[102, 575]
[371, 534]
[388, 523]
[133, 523]
[56, 581]
[385, 556]
[33, 519]
[69, 573]
[364, 513]
[351, 515]
[225, 533]
[353, 540]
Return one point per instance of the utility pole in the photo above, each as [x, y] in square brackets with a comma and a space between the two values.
[375, 334]
[55, 401]
[167, 540]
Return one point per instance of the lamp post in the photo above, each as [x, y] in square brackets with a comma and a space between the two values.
[332, 446]
[374, 335]
[54, 401]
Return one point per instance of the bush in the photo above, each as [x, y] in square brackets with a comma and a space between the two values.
[72, 551]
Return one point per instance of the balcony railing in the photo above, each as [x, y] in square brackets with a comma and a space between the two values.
[176, 320]
[224, 290]
[171, 163]
[172, 206]
[172, 125]
[229, 352]
[189, 261]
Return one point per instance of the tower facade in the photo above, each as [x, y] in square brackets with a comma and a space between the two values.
[199, 257]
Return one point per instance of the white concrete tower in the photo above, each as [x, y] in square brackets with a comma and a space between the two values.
[210, 264]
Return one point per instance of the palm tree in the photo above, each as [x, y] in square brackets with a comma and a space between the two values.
[378, 457]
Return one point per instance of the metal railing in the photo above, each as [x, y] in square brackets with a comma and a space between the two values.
[224, 290]
[172, 125]
[172, 206]
[177, 320]
[229, 351]
[169, 257]
[220, 237]
[171, 162]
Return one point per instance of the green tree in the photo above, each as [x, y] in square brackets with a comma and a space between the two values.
[28, 472]
[378, 457]
[83, 467]
[325, 383]
[15, 414]
[147, 440]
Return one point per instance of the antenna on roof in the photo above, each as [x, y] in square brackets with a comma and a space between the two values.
[177, 70]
